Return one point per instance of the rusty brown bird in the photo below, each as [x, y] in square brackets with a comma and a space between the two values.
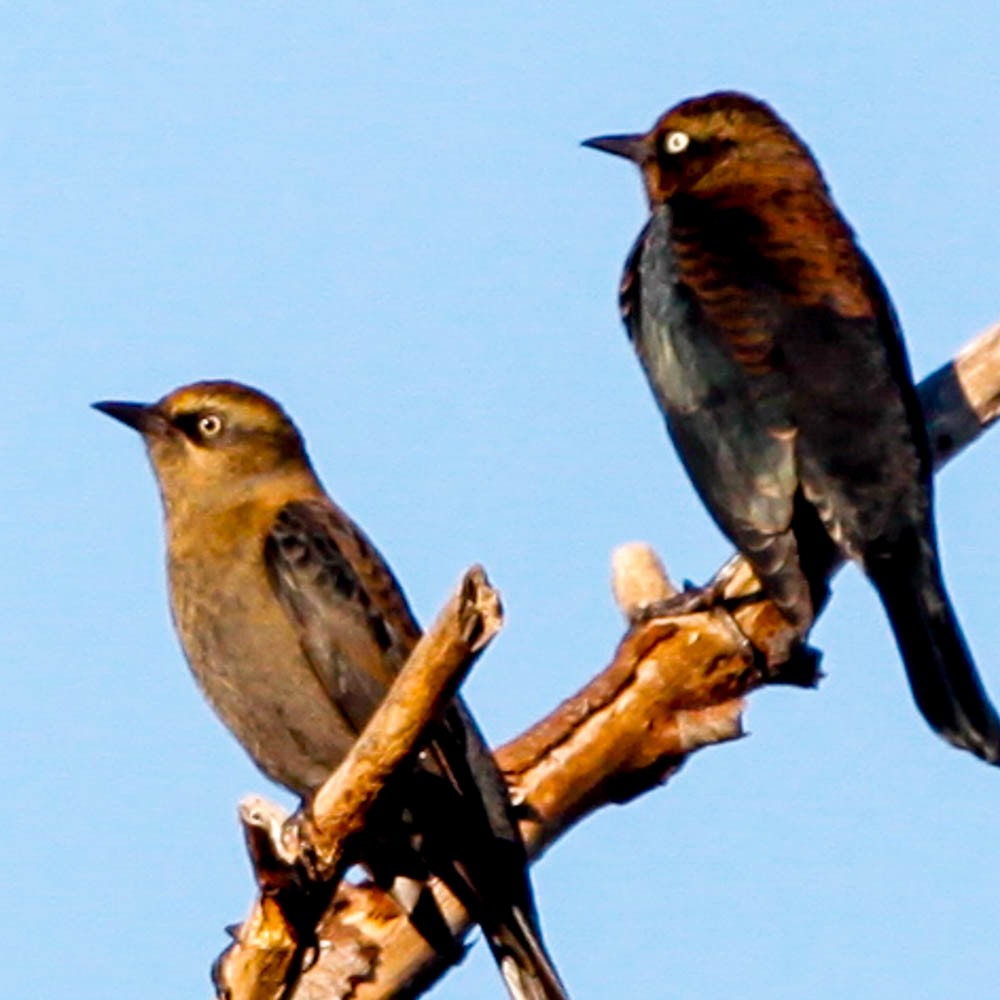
[774, 353]
[294, 628]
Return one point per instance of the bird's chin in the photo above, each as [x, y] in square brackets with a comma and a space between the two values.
[166, 449]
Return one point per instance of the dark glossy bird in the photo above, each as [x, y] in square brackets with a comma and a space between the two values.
[774, 353]
[294, 628]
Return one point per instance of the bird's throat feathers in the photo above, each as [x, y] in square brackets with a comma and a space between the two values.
[771, 233]
[225, 511]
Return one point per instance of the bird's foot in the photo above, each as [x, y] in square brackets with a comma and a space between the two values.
[692, 599]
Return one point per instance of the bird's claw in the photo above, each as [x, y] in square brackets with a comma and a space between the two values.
[694, 598]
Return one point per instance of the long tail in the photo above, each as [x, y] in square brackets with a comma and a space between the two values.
[940, 669]
[520, 955]
[490, 880]
[513, 937]
[459, 801]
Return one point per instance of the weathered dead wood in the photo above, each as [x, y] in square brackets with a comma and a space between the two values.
[297, 865]
[674, 685]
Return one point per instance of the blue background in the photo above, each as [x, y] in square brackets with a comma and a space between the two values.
[380, 214]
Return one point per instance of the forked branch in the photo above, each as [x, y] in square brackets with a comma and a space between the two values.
[673, 685]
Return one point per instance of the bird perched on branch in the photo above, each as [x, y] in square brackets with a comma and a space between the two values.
[773, 351]
[294, 628]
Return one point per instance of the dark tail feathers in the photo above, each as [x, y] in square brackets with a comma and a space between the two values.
[524, 964]
[515, 943]
[942, 675]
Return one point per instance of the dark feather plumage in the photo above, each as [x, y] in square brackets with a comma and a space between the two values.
[774, 353]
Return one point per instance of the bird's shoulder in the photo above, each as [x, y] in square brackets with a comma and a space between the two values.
[314, 544]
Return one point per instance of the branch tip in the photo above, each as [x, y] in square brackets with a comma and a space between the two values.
[638, 579]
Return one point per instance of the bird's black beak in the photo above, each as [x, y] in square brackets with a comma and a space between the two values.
[139, 416]
[632, 147]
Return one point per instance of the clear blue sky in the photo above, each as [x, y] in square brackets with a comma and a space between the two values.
[380, 214]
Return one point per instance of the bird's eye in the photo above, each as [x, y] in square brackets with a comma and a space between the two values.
[209, 425]
[676, 142]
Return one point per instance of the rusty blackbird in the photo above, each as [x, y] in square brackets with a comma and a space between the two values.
[774, 353]
[294, 628]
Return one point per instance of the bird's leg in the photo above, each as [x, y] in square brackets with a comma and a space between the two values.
[789, 659]
[693, 598]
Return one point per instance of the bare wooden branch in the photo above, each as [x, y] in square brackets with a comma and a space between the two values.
[428, 681]
[296, 880]
[962, 398]
[672, 687]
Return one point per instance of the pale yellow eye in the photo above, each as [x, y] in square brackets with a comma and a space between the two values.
[209, 425]
[676, 142]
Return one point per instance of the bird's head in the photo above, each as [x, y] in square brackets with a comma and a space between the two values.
[216, 444]
[709, 145]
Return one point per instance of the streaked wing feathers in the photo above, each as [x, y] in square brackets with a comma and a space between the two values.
[352, 644]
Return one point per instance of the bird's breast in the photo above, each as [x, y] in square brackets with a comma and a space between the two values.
[248, 662]
[704, 325]
[766, 379]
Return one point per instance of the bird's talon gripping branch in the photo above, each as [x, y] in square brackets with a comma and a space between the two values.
[693, 599]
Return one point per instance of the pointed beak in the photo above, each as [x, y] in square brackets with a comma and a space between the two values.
[139, 416]
[632, 147]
